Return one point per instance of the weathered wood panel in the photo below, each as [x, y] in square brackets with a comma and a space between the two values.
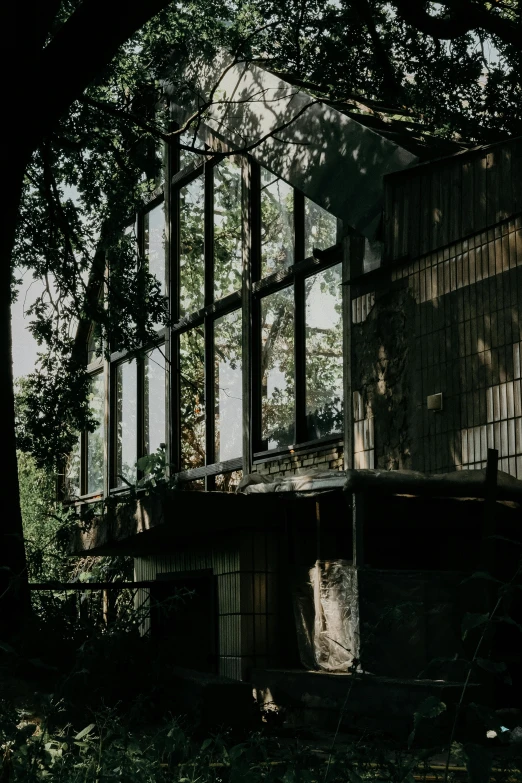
[435, 204]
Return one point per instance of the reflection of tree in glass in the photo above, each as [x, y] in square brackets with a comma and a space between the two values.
[192, 234]
[126, 422]
[154, 241]
[228, 386]
[277, 368]
[277, 224]
[95, 440]
[227, 228]
[186, 157]
[154, 399]
[135, 302]
[324, 353]
[94, 344]
[228, 482]
[72, 473]
[192, 390]
[320, 228]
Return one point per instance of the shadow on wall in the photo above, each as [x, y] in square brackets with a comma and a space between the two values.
[465, 344]
[334, 160]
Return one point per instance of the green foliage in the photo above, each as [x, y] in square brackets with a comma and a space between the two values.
[430, 708]
[43, 520]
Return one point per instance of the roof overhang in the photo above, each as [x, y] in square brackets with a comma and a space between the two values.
[330, 157]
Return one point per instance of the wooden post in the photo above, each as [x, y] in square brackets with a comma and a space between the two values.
[358, 528]
[487, 558]
[318, 529]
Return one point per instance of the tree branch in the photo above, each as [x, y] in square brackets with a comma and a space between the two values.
[464, 16]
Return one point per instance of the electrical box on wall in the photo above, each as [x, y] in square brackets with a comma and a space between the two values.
[434, 402]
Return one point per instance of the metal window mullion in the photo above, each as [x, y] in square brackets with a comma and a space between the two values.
[170, 152]
[209, 321]
[300, 433]
[175, 365]
[209, 392]
[113, 421]
[252, 339]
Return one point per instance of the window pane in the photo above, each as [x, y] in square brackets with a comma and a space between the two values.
[228, 482]
[320, 228]
[192, 414]
[126, 422]
[324, 353]
[72, 473]
[227, 228]
[277, 369]
[192, 269]
[186, 157]
[228, 387]
[94, 345]
[95, 440]
[154, 404]
[154, 235]
[277, 224]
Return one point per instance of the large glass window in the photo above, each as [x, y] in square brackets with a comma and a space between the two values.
[324, 353]
[296, 327]
[96, 439]
[227, 228]
[228, 391]
[191, 256]
[277, 224]
[192, 398]
[126, 423]
[154, 243]
[154, 393]
[277, 368]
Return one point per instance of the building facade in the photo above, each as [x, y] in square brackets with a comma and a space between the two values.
[342, 297]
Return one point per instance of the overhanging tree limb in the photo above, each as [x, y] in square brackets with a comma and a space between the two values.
[463, 17]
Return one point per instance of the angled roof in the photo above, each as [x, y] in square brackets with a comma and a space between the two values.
[334, 159]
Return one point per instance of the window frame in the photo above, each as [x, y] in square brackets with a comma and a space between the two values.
[246, 300]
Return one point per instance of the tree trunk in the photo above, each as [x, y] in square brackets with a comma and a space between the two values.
[14, 590]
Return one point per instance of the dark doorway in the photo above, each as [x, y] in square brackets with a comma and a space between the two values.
[183, 619]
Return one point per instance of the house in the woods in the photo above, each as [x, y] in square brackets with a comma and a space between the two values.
[346, 293]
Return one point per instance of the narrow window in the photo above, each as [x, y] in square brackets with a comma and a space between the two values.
[320, 228]
[192, 386]
[126, 422]
[192, 230]
[324, 353]
[72, 487]
[277, 369]
[154, 399]
[277, 224]
[94, 345]
[95, 440]
[227, 228]
[228, 392]
[154, 243]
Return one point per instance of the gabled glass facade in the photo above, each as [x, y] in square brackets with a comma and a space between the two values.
[253, 361]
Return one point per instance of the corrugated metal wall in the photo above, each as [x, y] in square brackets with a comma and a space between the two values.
[247, 601]
[433, 205]
[468, 333]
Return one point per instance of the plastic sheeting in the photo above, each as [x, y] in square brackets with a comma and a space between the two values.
[326, 615]
[304, 481]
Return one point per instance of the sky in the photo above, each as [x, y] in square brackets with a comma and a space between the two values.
[25, 347]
